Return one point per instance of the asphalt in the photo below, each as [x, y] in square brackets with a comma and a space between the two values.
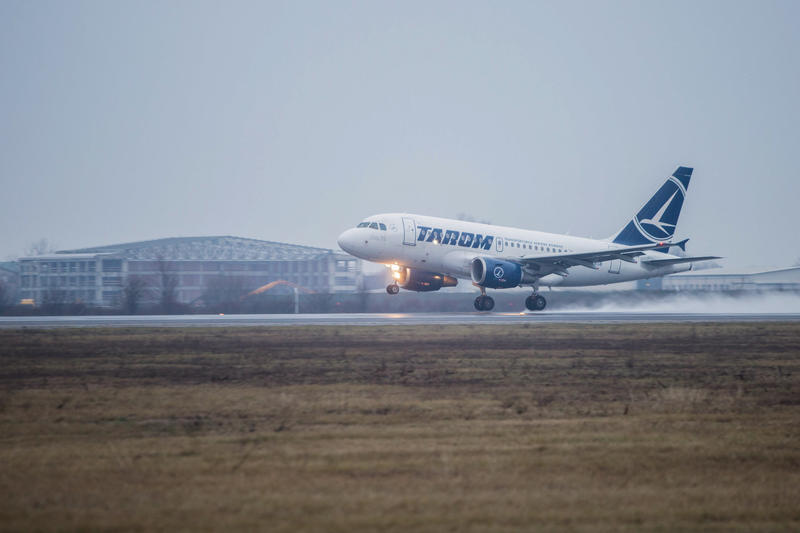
[383, 319]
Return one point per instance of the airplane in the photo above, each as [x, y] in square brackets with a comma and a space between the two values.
[429, 253]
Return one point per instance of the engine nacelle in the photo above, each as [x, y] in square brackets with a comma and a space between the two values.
[421, 281]
[498, 274]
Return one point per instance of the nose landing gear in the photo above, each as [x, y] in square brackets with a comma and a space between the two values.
[392, 288]
[535, 302]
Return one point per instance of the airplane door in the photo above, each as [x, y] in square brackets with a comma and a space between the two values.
[499, 244]
[409, 232]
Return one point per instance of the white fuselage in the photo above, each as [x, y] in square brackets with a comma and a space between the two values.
[448, 246]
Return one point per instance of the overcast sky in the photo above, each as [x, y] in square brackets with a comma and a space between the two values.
[125, 121]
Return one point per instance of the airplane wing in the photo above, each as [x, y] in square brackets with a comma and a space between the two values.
[670, 261]
[558, 264]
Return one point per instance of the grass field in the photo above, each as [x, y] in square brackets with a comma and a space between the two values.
[463, 428]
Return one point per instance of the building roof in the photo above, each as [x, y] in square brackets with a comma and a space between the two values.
[65, 256]
[735, 272]
[10, 266]
[221, 248]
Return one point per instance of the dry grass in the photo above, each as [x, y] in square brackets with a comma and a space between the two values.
[554, 427]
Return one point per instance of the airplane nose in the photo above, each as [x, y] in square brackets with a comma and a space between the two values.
[347, 240]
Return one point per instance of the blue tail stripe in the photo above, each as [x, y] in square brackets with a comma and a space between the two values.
[674, 210]
[631, 236]
[683, 174]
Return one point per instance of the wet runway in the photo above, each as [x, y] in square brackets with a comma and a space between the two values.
[384, 319]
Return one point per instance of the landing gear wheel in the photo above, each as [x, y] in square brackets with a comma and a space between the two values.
[393, 288]
[484, 303]
[535, 302]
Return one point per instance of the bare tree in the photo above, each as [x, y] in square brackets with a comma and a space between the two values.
[132, 294]
[5, 296]
[40, 247]
[54, 301]
[169, 285]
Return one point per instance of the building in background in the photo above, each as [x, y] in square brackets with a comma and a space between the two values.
[188, 268]
[9, 272]
[724, 279]
[9, 283]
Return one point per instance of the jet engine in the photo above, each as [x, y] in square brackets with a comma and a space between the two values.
[421, 281]
[498, 274]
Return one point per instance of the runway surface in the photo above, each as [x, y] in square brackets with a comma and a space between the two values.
[384, 319]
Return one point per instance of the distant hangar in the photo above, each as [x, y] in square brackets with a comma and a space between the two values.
[725, 279]
[190, 265]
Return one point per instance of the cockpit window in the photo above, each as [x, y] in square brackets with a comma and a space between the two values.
[372, 225]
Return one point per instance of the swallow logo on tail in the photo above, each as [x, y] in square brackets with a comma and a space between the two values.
[658, 219]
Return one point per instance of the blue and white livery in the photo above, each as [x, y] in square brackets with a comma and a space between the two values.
[428, 253]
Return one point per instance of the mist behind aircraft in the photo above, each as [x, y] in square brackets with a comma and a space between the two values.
[699, 302]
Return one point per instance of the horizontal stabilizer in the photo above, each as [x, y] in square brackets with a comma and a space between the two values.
[667, 262]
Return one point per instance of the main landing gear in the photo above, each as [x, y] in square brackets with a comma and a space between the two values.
[535, 302]
[392, 288]
[483, 302]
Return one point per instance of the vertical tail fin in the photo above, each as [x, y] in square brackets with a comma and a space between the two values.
[658, 219]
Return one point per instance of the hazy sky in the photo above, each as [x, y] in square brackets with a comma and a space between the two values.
[124, 121]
